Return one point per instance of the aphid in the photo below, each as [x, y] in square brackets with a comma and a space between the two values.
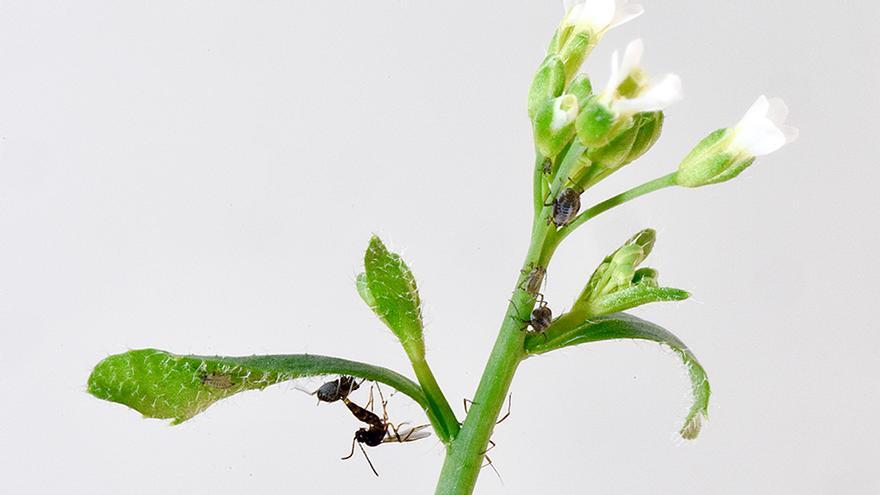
[216, 380]
[565, 207]
[542, 317]
[534, 279]
[379, 430]
[338, 389]
[547, 166]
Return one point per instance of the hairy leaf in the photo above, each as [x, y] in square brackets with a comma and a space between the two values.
[159, 384]
[624, 326]
[389, 287]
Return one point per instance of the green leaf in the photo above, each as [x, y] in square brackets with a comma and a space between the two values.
[637, 295]
[389, 287]
[162, 385]
[624, 326]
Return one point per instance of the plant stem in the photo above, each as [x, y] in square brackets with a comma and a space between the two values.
[464, 458]
[436, 400]
[594, 211]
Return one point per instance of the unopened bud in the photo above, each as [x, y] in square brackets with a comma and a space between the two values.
[595, 123]
[548, 83]
[554, 124]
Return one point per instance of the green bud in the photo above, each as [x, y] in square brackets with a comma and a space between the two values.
[615, 154]
[631, 141]
[574, 51]
[711, 161]
[554, 124]
[595, 123]
[548, 83]
[650, 125]
[581, 88]
[617, 284]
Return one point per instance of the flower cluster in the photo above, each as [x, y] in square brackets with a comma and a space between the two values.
[614, 126]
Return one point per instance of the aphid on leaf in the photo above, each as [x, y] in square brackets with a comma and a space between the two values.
[379, 430]
[216, 380]
[337, 389]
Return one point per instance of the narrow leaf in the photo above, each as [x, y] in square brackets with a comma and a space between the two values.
[159, 384]
[625, 326]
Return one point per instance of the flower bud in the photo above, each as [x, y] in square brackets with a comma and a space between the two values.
[581, 88]
[617, 285]
[594, 124]
[584, 25]
[548, 83]
[725, 153]
[554, 124]
[630, 143]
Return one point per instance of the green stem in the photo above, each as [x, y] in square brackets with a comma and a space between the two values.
[436, 400]
[594, 211]
[464, 458]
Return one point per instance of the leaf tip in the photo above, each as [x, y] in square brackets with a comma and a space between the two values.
[693, 425]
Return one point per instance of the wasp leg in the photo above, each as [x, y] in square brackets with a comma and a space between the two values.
[509, 400]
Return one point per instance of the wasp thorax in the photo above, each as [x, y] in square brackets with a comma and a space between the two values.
[566, 207]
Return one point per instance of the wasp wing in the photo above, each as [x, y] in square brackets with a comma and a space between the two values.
[407, 434]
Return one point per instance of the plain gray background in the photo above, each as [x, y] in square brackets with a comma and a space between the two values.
[203, 177]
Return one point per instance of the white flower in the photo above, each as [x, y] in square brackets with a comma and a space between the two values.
[598, 16]
[762, 129]
[652, 96]
[565, 110]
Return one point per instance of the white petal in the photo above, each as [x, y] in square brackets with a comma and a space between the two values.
[758, 138]
[757, 111]
[791, 133]
[614, 78]
[597, 14]
[565, 110]
[631, 58]
[777, 111]
[658, 96]
[625, 13]
[762, 129]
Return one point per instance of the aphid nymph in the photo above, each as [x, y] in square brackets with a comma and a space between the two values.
[566, 207]
[534, 279]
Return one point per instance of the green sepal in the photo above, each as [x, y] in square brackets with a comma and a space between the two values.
[581, 88]
[574, 51]
[566, 332]
[389, 288]
[711, 161]
[548, 139]
[636, 295]
[548, 83]
[595, 123]
[631, 140]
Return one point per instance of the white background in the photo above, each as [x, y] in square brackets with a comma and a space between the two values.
[203, 177]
